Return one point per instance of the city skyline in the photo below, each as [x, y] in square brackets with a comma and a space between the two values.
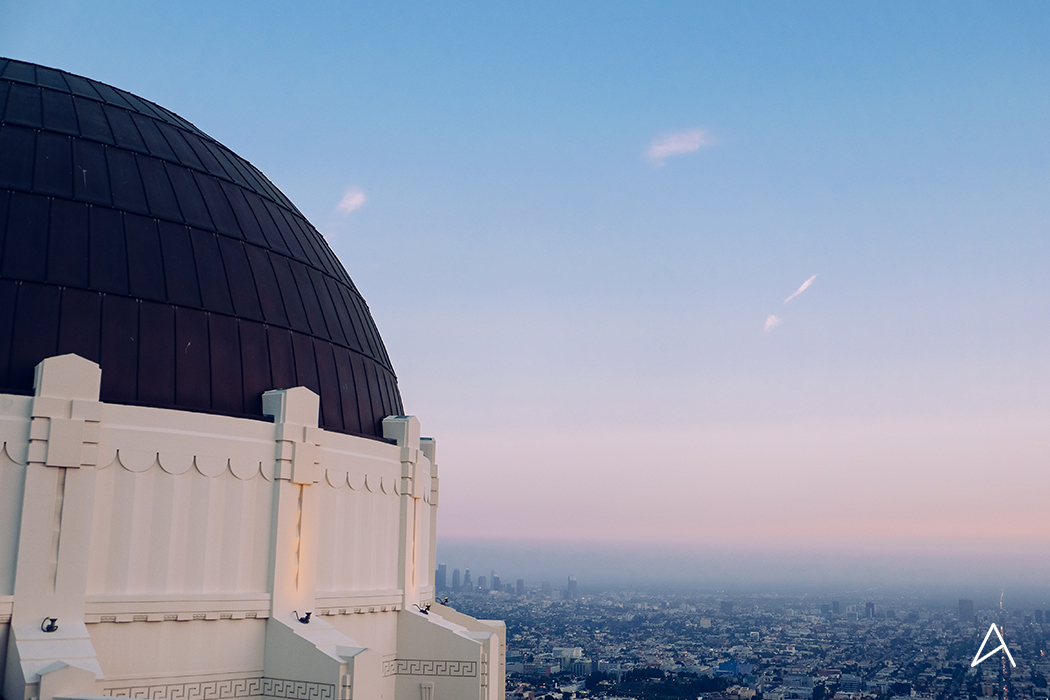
[984, 573]
[760, 279]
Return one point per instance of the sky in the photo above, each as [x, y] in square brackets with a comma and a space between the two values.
[689, 277]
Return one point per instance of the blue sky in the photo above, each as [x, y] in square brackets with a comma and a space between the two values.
[584, 327]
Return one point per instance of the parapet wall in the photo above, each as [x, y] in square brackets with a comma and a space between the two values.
[173, 547]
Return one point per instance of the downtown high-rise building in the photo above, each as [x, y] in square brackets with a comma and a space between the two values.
[966, 613]
[439, 578]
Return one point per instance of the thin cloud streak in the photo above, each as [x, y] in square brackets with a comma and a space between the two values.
[678, 143]
[353, 199]
[772, 321]
[804, 287]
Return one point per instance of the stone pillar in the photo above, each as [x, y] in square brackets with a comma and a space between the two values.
[297, 468]
[429, 448]
[415, 478]
[312, 651]
[55, 533]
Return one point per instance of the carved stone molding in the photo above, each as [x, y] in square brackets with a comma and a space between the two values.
[430, 667]
[201, 690]
[297, 690]
[229, 689]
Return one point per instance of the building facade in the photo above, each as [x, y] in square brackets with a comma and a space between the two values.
[208, 488]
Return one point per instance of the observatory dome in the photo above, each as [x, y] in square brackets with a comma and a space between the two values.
[131, 238]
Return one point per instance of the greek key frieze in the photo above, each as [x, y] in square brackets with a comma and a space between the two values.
[430, 667]
[229, 689]
[286, 689]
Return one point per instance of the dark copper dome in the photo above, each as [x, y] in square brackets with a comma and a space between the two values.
[131, 238]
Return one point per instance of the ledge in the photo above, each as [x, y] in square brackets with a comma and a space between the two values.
[354, 602]
[178, 607]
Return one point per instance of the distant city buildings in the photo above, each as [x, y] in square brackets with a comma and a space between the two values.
[966, 610]
[494, 584]
[641, 645]
[439, 578]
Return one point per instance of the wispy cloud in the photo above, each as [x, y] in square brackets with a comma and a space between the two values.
[804, 287]
[772, 321]
[678, 143]
[353, 199]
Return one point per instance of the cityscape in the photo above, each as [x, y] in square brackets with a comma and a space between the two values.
[568, 641]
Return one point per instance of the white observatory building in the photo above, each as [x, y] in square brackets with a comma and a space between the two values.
[208, 488]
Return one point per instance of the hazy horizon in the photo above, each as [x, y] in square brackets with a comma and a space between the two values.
[940, 570]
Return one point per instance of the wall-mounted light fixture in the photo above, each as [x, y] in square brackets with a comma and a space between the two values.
[50, 624]
[305, 619]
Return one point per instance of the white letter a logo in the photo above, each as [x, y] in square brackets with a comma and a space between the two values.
[1002, 645]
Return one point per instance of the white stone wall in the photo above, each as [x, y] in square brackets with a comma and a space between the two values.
[181, 509]
[128, 653]
[14, 439]
[358, 503]
[179, 549]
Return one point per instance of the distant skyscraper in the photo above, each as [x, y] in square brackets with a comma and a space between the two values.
[468, 583]
[497, 585]
[455, 580]
[545, 588]
[869, 610]
[439, 577]
[483, 583]
[521, 591]
[966, 611]
[835, 607]
[1039, 616]
[572, 591]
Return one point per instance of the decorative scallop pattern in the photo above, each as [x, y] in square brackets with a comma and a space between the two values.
[133, 239]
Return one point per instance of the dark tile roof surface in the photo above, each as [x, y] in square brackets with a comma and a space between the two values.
[132, 238]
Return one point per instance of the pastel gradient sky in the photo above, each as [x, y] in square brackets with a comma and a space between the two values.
[577, 224]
